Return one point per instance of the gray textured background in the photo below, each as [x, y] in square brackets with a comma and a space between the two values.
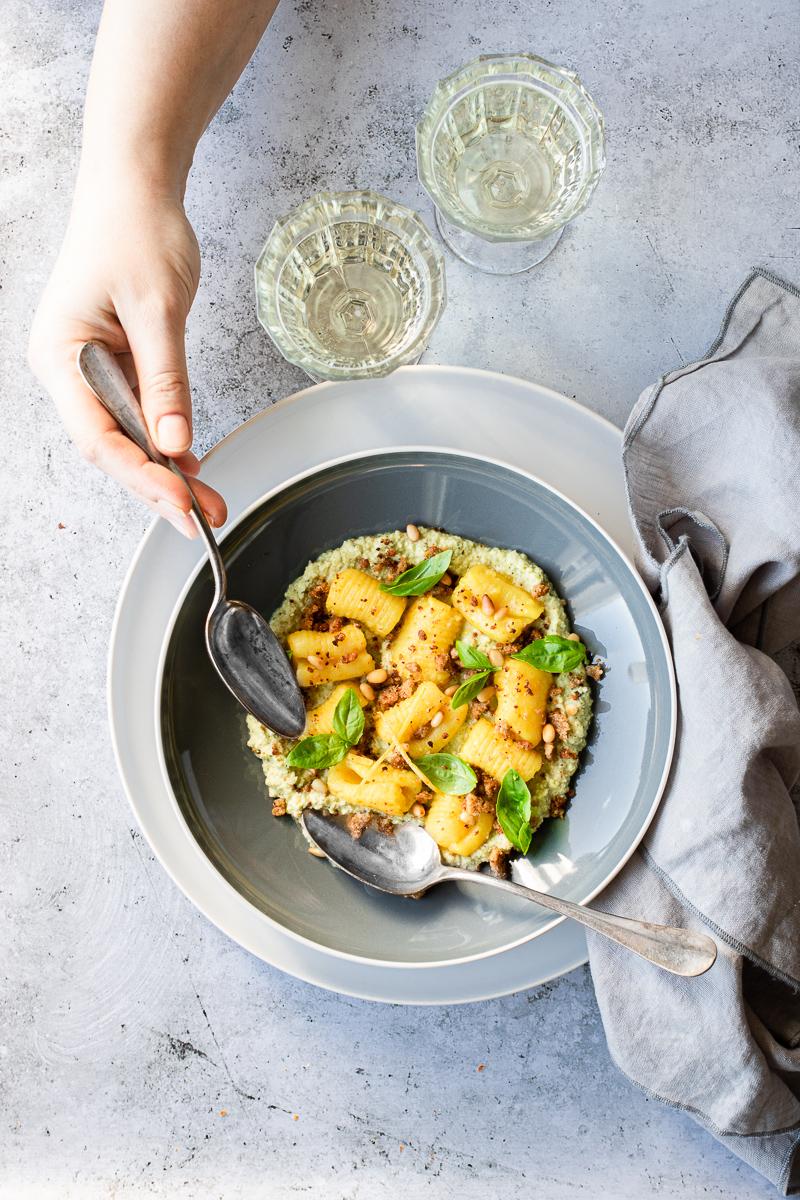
[142, 1053]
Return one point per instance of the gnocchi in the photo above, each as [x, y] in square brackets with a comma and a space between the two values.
[369, 783]
[413, 698]
[421, 647]
[450, 833]
[496, 752]
[320, 719]
[328, 657]
[522, 692]
[509, 610]
[358, 596]
[400, 723]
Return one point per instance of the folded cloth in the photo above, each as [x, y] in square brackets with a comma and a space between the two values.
[712, 464]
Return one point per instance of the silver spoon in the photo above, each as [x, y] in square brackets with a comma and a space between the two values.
[407, 863]
[248, 657]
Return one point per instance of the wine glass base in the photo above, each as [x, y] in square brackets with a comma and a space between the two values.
[495, 258]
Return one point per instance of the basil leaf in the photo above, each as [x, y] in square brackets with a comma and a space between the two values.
[469, 690]
[348, 718]
[421, 578]
[322, 750]
[514, 810]
[448, 773]
[553, 653]
[473, 658]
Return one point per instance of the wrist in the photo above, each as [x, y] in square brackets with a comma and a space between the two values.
[130, 167]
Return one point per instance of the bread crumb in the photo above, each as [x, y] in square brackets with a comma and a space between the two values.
[498, 862]
[559, 722]
[356, 823]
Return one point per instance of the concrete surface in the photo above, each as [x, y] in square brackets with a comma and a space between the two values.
[143, 1054]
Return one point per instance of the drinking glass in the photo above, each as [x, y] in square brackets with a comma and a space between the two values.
[350, 285]
[509, 149]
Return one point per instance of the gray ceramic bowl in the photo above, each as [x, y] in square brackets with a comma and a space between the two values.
[217, 782]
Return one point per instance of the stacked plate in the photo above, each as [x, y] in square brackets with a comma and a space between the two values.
[494, 459]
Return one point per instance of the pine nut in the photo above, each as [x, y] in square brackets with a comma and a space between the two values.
[487, 605]
[499, 613]
[319, 785]
[366, 691]
[412, 533]
[314, 660]
[464, 817]
[379, 676]
[570, 708]
[451, 691]
[418, 810]
[548, 734]
[315, 850]
[548, 750]
[485, 695]
[495, 658]
[437, 719]
[446, 579]
[573, 637]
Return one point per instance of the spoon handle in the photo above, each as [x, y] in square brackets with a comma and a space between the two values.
[677, 950]
[102, 373]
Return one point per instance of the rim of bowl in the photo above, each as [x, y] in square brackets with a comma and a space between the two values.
[426, 250]
[271, 494]
[226, 926]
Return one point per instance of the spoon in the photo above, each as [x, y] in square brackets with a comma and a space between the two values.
[407, 862]
[248, 657]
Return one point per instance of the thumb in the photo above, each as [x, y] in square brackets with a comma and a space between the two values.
[159, 355]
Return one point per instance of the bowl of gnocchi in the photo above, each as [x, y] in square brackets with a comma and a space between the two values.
[475, 655]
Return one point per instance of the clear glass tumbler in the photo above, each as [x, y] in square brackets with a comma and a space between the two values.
[350, 285]
[509, 149]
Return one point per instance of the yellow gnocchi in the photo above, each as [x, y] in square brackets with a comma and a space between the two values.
[507, 609]
[522, 692]
[421, 647]
[496, 752]
[450, 833]
[358, 596]
[436, 739]
[329, 657]
[320, 719]
[366, 783]
[400, 723]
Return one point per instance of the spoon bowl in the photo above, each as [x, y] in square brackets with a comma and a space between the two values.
[403, 864]
[238, 637]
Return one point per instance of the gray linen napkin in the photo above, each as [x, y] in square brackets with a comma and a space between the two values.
[712, 461]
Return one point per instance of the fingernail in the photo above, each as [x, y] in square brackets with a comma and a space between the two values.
[172, 433]
[177, 517]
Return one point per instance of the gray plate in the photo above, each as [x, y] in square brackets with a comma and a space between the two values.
[218, 783]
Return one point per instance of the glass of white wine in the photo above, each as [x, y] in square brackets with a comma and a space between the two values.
[509, 149]
[350, 285]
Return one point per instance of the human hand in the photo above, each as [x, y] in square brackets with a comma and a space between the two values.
[126, 276]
